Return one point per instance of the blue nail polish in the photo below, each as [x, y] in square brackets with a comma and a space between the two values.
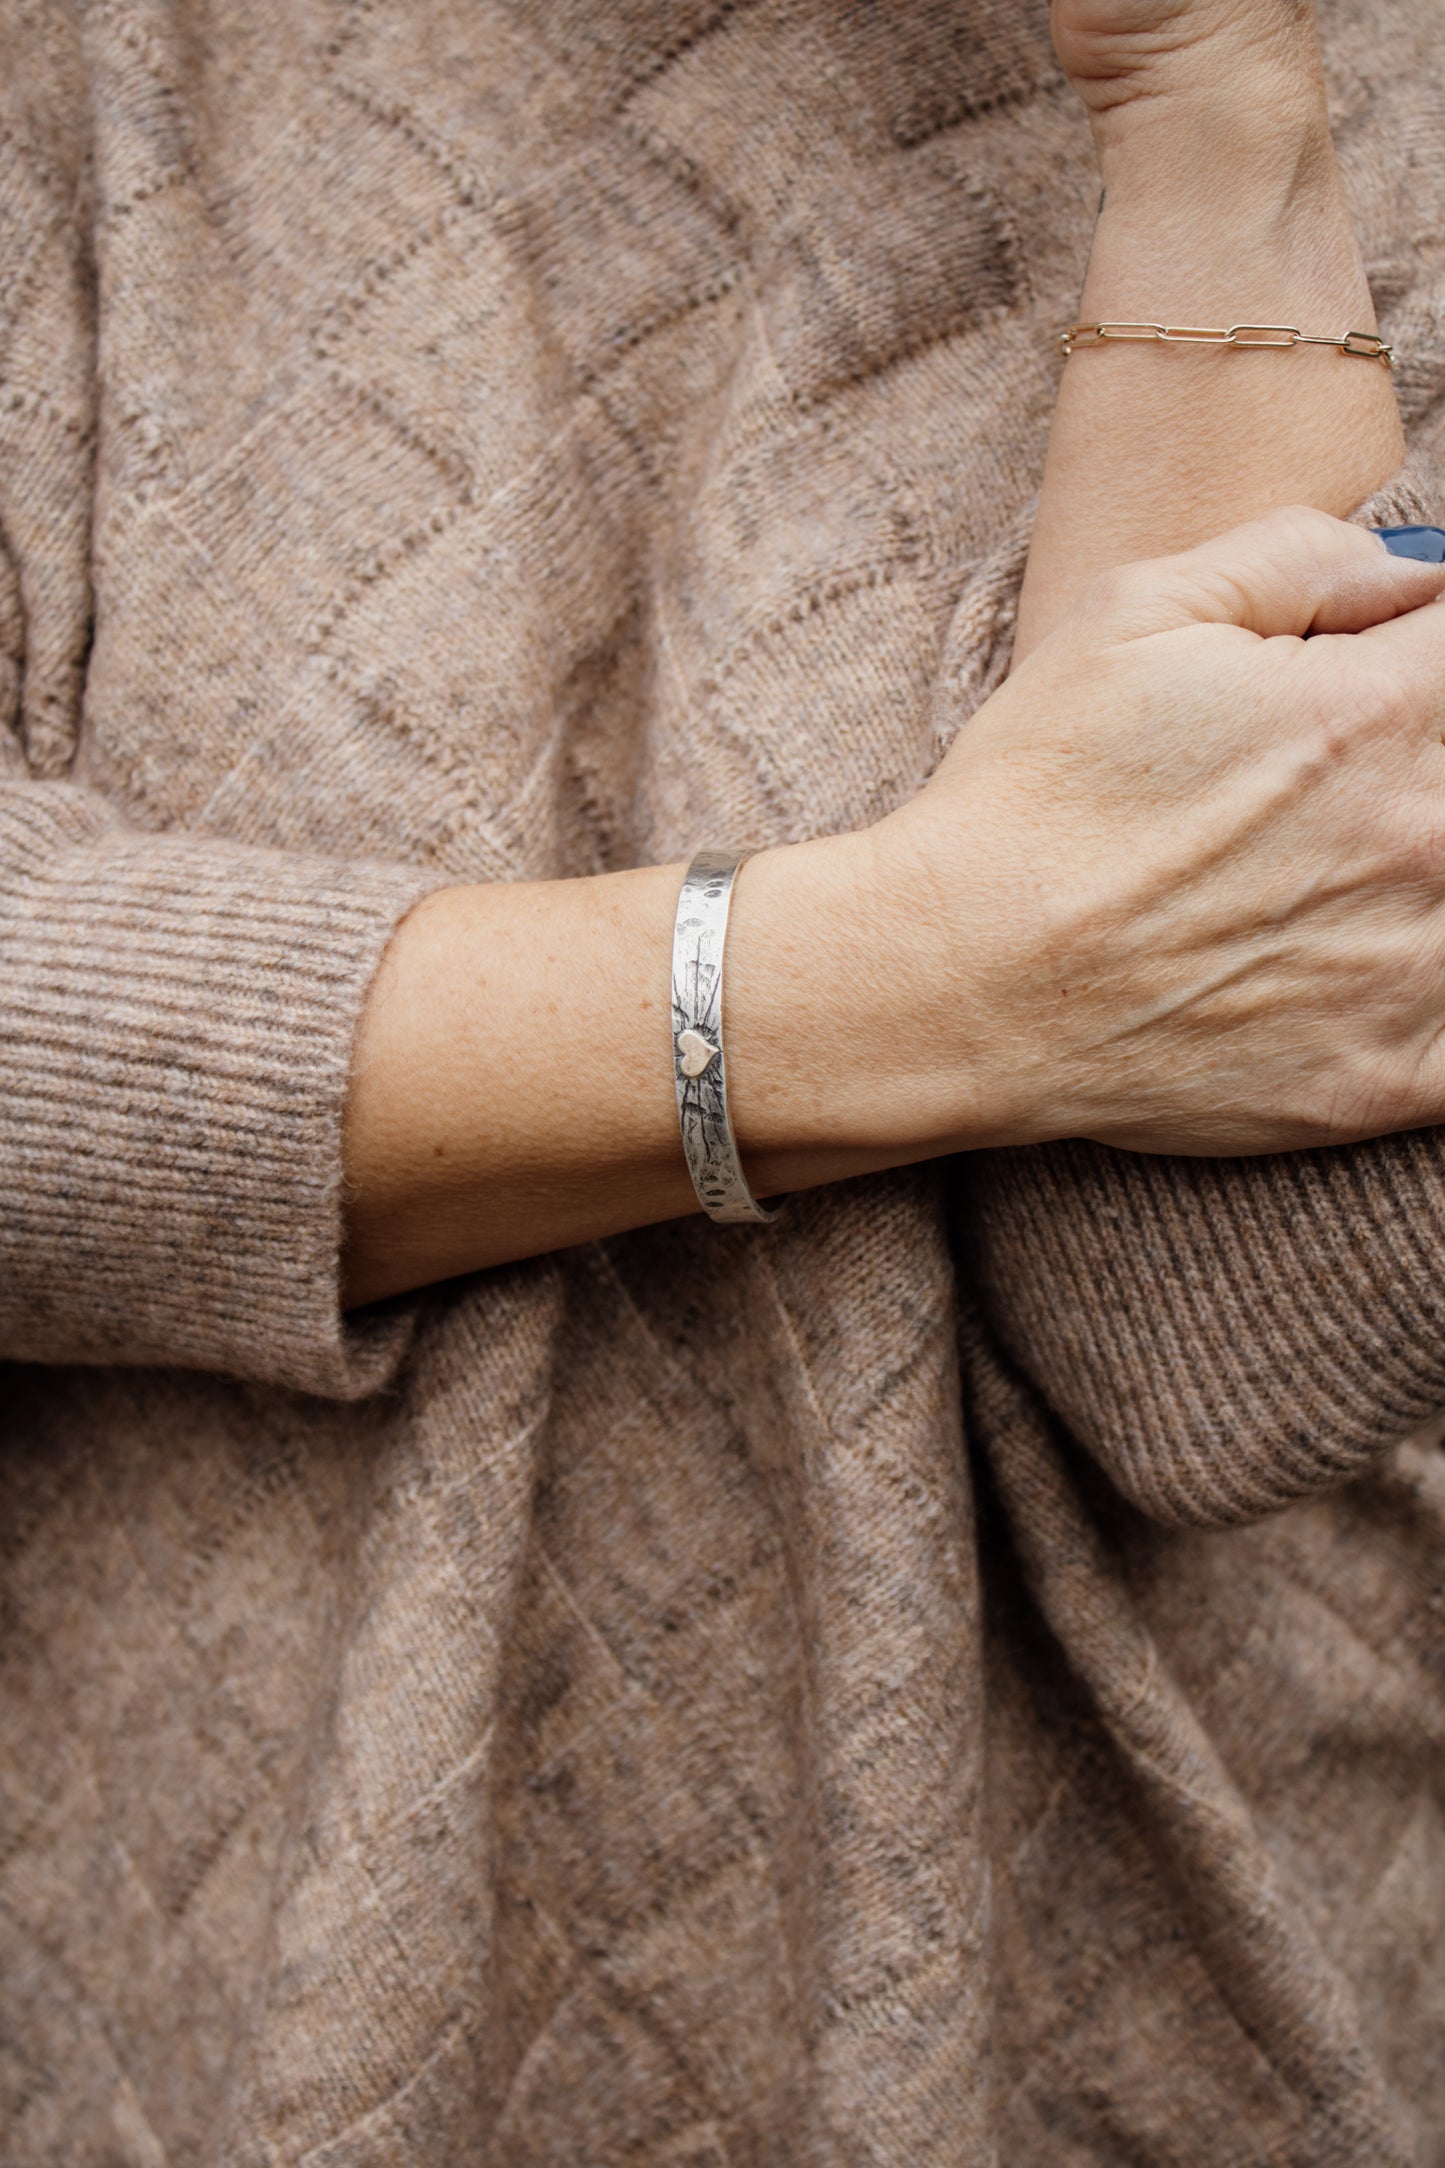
[1425, 543]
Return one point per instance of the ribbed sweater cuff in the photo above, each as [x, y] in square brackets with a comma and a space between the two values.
[1224, 1335]
[176, 1026]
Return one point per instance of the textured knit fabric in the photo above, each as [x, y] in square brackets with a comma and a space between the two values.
[718, 1698]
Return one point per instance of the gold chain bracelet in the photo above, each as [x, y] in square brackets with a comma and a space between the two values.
[1367, 345]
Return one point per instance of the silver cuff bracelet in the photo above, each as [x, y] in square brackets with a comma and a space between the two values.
[697, 1039]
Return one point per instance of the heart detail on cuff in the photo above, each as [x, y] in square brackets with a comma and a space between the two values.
[694, 1052]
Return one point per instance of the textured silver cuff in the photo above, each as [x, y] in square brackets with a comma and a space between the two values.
[697, 1039]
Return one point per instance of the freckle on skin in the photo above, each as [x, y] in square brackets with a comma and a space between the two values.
[439, 1151]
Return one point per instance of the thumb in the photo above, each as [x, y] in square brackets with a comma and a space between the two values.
[1294, 572]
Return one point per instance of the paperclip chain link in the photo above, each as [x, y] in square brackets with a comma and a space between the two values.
[1364, 345]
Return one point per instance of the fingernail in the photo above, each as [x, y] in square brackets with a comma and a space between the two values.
[1425, 544]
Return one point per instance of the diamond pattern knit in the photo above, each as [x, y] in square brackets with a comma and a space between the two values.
[738, 1698]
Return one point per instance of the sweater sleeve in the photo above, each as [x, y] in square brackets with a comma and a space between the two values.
[176, 1025]
[1225, 1336]
[177, 1013]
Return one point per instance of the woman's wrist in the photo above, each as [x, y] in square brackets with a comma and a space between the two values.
[1215, 214]
[821, 993]
[1215, 228]
[1163, 72]
[1223, 168]
[1251, 138]
[864, 1026]
[513, 1089]
[1211, 131]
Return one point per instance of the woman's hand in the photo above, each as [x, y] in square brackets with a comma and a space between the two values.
[1180, 885]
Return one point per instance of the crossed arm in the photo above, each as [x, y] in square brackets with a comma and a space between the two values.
[1224, 204]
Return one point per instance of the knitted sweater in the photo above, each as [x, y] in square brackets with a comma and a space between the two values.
[742, 1698]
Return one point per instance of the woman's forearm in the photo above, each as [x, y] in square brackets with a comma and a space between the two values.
[513, 1084]
[1115, 910]
[1223, 204]
[1051, 940]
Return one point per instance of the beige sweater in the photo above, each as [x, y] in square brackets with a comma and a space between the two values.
[719, 1698]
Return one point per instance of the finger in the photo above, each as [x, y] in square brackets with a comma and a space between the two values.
[1361, 597]
[1412, 647]
[1295, 572]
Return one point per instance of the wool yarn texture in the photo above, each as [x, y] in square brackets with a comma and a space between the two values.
[957, 1676]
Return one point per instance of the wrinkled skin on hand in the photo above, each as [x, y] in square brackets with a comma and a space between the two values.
[1116, 51]
[1180, 884]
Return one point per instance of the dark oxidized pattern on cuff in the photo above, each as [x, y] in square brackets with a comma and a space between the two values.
[699, 1063]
